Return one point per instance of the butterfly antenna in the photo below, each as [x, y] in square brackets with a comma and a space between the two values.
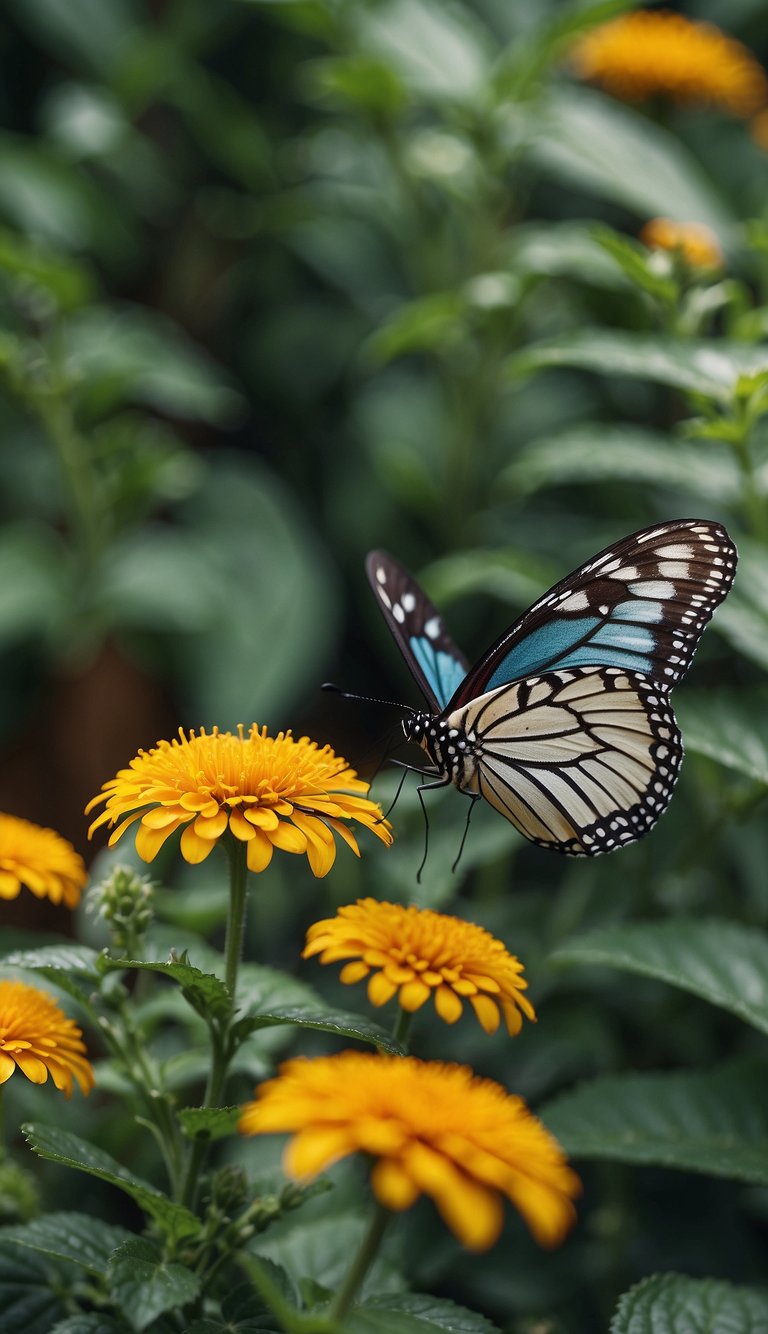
[473, 798]
[365, 699]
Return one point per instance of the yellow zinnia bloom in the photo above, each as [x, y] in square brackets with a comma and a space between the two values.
[697, 245]
[417, 953]
[655, 51]
[268, 792]
[37, 1036]
[433, 1129]
[40, 859]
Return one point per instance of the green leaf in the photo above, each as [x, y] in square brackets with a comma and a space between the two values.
[209, 1123]
[125, 354]
[415, 1313]
[248, 528]
[745, 627]
[28, 1302]
[145, 1286]
[50, 959]
[677, 1304]
[89, 1324]
[634, 261]
[61, 1146]
[428, 325]
[601, 453]
[72, 968]
[439, 53]
[714, 1123]
[63, 279]
[723, 962]
[204, 991]
[721, 724]
[595, 143]
[318, 1248]
[563, 249]
[709, 368]
[84, 1240]
[244, 1312]
[339, 1022]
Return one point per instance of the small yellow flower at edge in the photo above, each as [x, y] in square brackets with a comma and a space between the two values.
[40, 859]
[268, 792]
[432, 1129]
[697, 245]
[37, 1036]
[653, 52]
[416, 954]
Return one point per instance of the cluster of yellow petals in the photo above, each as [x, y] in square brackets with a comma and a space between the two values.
[433, 1129]
[40, 859]
[417, 954]
[268, 792]
[37, 1036]
[655, 51]
[694, 242]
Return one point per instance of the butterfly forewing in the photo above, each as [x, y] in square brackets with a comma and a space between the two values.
[642, 604]
[579, 761]
[438, 665]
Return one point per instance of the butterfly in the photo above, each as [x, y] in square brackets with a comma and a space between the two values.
[564, 725]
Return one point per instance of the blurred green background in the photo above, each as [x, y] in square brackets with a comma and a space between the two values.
[281, 282]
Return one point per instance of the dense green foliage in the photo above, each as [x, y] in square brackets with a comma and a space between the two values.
[281, 282]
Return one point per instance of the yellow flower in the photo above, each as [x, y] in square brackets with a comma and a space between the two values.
[655, 51]
[37, 1036]
[417, 953]
[268, 792]
[433, 1129]
[697, 245]
[40, 859]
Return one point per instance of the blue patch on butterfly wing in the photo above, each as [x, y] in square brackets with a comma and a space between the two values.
[543, 647]
[639, 609]
[444, 672]
[591, 656]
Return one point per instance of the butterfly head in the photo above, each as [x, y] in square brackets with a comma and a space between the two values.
[415, 727]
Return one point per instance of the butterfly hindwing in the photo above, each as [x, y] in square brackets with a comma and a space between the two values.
[580, 761]
[641, 604]
[438, 665]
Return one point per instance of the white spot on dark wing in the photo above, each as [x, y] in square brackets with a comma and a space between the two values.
[398, 613]
[432, 627]
[381, 574]
[408, 601]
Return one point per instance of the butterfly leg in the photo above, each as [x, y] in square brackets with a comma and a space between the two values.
[427, 787]
[473, 798]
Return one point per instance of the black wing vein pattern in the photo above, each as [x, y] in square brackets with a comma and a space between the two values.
[580, 761]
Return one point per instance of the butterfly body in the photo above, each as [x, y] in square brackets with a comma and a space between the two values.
[565, 725]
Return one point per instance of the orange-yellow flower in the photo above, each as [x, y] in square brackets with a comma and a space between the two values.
[268, 792]
[433, 1129]
[697, 245]
[653, 52]
[40, 859]
[37, 1036]
[417, 954]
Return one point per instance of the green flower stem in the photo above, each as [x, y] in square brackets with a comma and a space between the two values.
[129, 1047]
[362, 1262]
[221, 1046]
[402, 1027]
[238, 880]
[72, 454]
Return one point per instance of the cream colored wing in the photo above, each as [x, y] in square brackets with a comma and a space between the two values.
[581, 761]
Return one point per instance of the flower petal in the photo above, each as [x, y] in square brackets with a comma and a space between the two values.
[259, 852]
